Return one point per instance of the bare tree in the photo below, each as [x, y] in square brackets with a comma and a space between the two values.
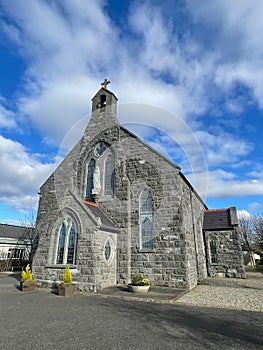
[247, 235]
[257, 224]
[30, 233]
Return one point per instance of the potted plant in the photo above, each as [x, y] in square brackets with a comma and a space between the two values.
[66, 288]
[27, 282]
[139, 284]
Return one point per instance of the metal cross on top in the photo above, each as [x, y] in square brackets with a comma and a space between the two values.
[105, 83]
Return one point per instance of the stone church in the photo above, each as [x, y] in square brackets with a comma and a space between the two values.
[116, 207]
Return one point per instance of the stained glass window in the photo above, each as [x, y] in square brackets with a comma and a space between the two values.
[146, 220]
[109, 175]
[61, 244]
[67, 241]
[71, 245]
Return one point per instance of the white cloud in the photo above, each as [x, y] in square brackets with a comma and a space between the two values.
[7, 117]
[70, 46]
[162, 53]
[223, 148]
[257, 171]
[223, 184]
[233, 30]
[22, 175]
[220, 183]
[255, 206]
[243, 214]
[65, 46]
[62, 103]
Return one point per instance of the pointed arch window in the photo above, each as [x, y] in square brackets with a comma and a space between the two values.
[146, 219]
[90, 173]
[61, 244]
[109, 175]
[67, 241]
[71, 245]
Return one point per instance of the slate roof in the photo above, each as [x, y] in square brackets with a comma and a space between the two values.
[106, 223]
[220, 219]
[12, 231]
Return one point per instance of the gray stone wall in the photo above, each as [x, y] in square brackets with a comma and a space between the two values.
[172, 262]
[105, 263]
[139, 167]
[59, 199]
[192, 213]
[228, 254]
[178, 257]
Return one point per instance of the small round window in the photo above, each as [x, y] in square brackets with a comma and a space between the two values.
[107, 250]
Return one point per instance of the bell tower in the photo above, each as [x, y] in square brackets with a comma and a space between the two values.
[104, 100]
[104, 111]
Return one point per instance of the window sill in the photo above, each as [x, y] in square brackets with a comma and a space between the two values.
[60, 266]
[107, 197]
[143, 250]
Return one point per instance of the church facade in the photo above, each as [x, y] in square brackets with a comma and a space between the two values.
[116, 207]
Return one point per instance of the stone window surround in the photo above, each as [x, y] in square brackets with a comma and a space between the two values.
[113, 248]
[101, 163]
[69, 223]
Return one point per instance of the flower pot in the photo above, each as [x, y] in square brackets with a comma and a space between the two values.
[27, 288]
[138, 289]
[66, 291]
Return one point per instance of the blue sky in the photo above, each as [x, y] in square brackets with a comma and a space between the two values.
[195, 65]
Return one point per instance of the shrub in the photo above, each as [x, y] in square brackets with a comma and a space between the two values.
[67, 277]
[27, 277]
[26, 274]
[139, 280]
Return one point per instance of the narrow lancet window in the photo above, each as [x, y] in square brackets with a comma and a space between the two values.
[146, 220]
[71, 245]
[213, 251]
[109, 175]
[90, 173]
[61, 244]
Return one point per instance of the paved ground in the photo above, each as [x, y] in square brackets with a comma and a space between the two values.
[42, 320]
[228, 293]
[155, 294]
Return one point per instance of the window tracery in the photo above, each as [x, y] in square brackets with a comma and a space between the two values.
[67, 242]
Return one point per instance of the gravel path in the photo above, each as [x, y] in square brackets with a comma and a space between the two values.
[228, 293]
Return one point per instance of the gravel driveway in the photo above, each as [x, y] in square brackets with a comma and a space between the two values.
[228, 293]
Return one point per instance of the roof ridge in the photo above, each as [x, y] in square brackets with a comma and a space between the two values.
[215, 210]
